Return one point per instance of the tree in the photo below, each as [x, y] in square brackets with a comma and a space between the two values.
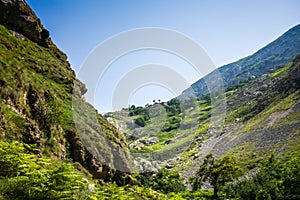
[140, 121]
[291, 179]
[216, 172]
[167, 181]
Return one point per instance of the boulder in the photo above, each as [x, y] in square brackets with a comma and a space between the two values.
[149, 141]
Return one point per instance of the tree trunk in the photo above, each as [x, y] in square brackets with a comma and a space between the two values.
[215, 192]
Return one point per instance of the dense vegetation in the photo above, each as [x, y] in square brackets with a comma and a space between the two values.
[274, 180]
[23, 175]
[36, 102]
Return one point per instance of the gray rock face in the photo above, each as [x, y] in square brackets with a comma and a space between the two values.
[16, 15]
[137, 133]
[149, 141]
[139, 144]
[118, 124]
[144, 165]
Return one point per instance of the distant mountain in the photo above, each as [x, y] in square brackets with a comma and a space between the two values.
[281, 51]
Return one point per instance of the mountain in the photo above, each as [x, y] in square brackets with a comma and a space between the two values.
[262, 119]
[278, 52]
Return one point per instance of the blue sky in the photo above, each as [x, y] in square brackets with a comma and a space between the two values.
[226, 30]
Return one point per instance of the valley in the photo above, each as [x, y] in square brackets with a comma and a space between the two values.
[239, 144]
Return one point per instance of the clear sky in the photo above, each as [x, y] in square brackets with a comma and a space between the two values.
[226, 30]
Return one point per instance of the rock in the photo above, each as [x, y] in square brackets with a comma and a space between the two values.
[144, 165]
[139, 144]
[121, 126]
[247, 176]
[196, 156]
[264, 88]
[171, 162]
[136, 145]
[16, 15]
[149, 141]
[169, 166]
[137, 133]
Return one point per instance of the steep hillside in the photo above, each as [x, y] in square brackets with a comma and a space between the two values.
[36, 88]
[280, 51]
[262, 119]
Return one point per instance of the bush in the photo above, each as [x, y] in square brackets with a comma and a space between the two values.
[166, 181]
[140, 121]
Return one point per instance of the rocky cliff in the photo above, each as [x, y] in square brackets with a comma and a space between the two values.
[36, 93]
[19, 17]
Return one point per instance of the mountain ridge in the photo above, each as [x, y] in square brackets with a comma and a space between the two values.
[282, 50]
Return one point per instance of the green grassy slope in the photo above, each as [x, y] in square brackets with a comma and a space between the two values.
[44, 154]
[36, 102]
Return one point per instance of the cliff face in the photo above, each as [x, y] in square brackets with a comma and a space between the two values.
[36, 91]
[18, 16]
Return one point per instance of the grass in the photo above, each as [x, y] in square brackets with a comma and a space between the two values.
[281, 71]
[280, 105]
[187, 121]
[38, 84]
[246, 156]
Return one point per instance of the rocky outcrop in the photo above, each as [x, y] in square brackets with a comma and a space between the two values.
[19, 17]
[36, 92]
[145, 166]
[140, 143]
[149, 141]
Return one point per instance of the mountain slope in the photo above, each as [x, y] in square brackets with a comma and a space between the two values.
[263, 118]
[36, 89]
[255, 110]
[280, 51]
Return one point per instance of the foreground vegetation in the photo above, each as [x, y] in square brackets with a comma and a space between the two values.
[23, 175]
